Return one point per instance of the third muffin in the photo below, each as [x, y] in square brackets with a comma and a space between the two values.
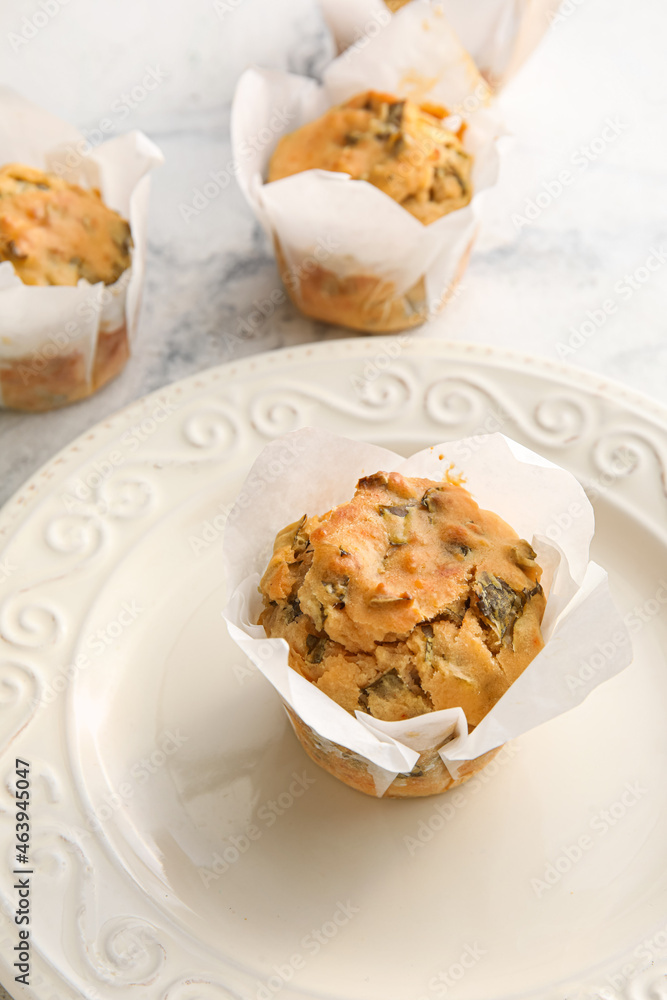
[57, 233]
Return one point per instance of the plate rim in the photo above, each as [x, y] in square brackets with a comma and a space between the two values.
[614, 391]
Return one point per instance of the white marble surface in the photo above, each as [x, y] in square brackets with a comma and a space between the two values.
[527, 286]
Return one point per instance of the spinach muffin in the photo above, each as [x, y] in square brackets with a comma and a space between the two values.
[400, 147]
[408, 599]
[406, 151]
[55, 233]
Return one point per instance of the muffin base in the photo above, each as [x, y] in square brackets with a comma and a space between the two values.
[363, 302]
[428, 777]
[34, 385]
[111, 356]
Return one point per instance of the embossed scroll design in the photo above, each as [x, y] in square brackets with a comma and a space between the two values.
[20, 692]
[640, 974]
[278, 411]
[75, 534]
[462, 403]
[44, 780]
[82, 530]
[29, 625]
[125, 950]
[620, 453]
[213, 428]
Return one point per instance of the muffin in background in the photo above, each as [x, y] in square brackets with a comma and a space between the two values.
[55, 233]
[405, 150]
[73, 226]
[372, 224]
[402, 148]
[498, 35]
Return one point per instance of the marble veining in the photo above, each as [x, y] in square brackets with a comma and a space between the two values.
[531, 285]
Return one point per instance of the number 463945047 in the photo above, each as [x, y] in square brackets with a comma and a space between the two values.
[22, 796]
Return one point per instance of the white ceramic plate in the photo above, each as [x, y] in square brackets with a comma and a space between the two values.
[184, 848]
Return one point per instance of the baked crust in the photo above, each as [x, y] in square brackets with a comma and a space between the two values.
[55, 233]
[407, 599]
[400, 147]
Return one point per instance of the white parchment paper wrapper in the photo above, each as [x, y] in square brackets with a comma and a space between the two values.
[310, 471]
[58, 343]
[498, 34]
[349, 227]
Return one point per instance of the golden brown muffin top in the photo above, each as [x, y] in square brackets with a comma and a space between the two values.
[406, 599]
[55, 233]
[400, 147]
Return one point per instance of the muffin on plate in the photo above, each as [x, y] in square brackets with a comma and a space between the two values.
[405, 150]
[406, 600]
[54, 234]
